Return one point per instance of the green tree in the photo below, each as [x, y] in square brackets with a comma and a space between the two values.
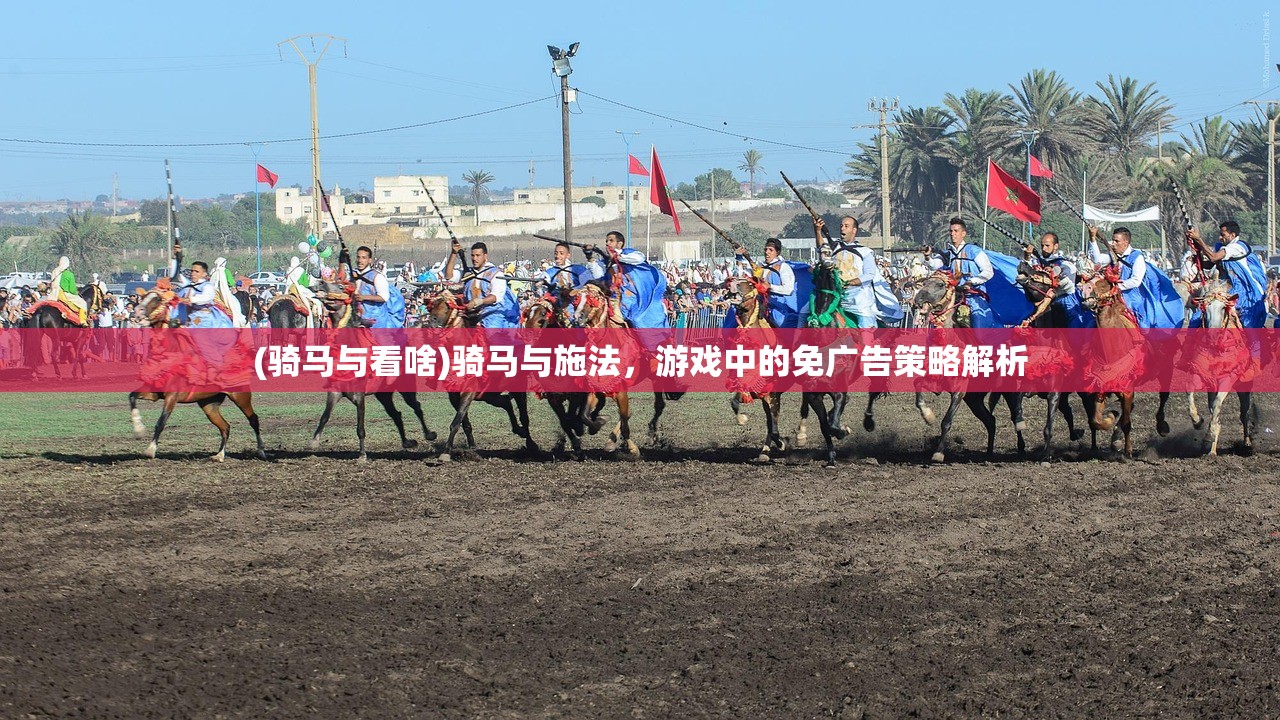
[84, 238]
[751, 238]
[1127, 117]
[154, 212]
[801, 225]
[727, 186]
[751, 164]
[1046, 104]
[1212, 137]
[983, 129]
[1249, 156]
[479, 181]
[593, 200]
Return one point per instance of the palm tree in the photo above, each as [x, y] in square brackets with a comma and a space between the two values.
[479, 181]
[921, 171]
[751, 165]
[1249, 156]
[82, 238]
[1046, 104]
[1127, 117]
[1213, 137]
[984, 129]
[1210, 187]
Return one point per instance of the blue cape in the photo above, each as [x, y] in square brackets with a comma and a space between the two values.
[389, 314]
[1009, 303]
[1155, 303]
[792, 311]
[640, 298]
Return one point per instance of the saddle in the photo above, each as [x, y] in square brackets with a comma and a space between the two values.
[70, 314]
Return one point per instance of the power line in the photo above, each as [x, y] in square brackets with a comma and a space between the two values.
[67, 143]
[712, 129]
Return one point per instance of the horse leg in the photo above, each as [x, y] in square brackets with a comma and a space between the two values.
[388, 402]
[1210, 440]
[1196, 420]
[817, 404]
[591, 407]
[567, 431]
[135, 417]
[982, 411]
[1162, 426]
[1054, 399]
[1126, 415]
[621, 436]
[1064, 407]
[802, 432]
[520, 425]
[659, 405]
[771, 402]
[926, 412]
[170, 402]
[838, 402]
[1246, 420]
[211, 408]
[1014, 402]
[411, 399]
[244, 401]
[735, 403]
[461, 405]
[940, 454]
[869, 416]
[330, 401]
[359, 399]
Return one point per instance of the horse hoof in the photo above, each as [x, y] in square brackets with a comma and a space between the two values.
[633, 448]
[219, 457]
[150, 452]
[611, 446]
[409, 444]
[314, 444]
[1077, 435]
[868, 423]
[742, 418]
[139, 433]
[362, 460]
[763, 458]
[938, 457]
[262, 455]
[928, 416]
[1162, 427]
[802, 440]
[429, 436]
[445, 457]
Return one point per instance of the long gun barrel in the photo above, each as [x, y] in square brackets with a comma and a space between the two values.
[548, 238]
[462, 258]
[344, 257]
[825, 232]
[175, 241]
[723, 235]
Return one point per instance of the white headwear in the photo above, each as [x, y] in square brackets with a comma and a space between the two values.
[64, 262]
[225, 294]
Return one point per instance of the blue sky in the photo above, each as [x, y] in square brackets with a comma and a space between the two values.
[796, 73]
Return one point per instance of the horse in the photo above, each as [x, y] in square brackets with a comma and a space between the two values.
[50, 315]
[939, 303]
[828, 293]
[1217, 306]
[153, 311]
[570, 409]
[446, 311]
[1041, 289]
[596, 310]
[1101, 294]
[339, 312]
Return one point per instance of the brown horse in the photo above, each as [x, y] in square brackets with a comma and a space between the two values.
[340, 312]
[940, 303]
[570, 409]
[56, 348]
[153, 310]
[1043, 289]
[445, 310]
[596, 310]
[1101, 294]
[1217, 306]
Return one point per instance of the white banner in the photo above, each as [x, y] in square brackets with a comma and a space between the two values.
[1151, 214]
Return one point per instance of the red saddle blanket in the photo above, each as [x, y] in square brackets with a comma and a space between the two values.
[67, 311]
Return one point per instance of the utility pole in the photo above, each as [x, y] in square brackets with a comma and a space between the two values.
[530, 174]
[115, 192]
[712, 183]
[626, 140]
[560, 66]
[1028, 138]
[317, 227]
[884, 106]
[1272, 116]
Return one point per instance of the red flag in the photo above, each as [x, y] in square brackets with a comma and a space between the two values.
[1038, 169]
[636, 168]
[1007, 194]
[266, 176]
[658, 194]
[324, 203]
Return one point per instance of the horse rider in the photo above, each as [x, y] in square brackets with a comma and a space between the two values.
[1243, 269]
[972, 268]
[784, 302]
[381, 305]
[485, 288]
[297, 282]
[868, 297]
[208, 297]
[1067, 310]
[627, 275]
[1140, 282]
[62, 288]
[562, 274]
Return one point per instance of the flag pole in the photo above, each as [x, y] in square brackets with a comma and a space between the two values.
[257, 204]
[985, 195]
[1084, 194]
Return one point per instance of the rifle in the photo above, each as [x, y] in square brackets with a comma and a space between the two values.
[826, 233]
[1070, 207]
[571, 243]
[1186, 220]
[175, 240]
[1004, 232]
[723, 235]
[344, 257]
[454, 238]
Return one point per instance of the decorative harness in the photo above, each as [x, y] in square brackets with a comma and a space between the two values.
[1103, 301]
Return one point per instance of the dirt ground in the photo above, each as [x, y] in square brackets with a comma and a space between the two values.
[688, 584]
